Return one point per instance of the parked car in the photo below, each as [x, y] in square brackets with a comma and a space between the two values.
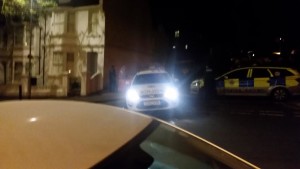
[152, 89]
[197, 85]
[277, 82]
[72, 134]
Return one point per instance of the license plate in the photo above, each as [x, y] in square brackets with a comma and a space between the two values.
[152, 103]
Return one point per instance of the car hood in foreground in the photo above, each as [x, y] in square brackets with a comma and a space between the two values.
[63, 134]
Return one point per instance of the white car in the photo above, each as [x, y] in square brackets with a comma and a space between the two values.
[52, 134]
[152, 90]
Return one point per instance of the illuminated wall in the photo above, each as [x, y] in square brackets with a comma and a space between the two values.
[75, 46]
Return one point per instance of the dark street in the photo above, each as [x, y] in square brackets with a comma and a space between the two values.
[263, 132]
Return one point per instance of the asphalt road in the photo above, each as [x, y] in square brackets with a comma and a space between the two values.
[259, 130]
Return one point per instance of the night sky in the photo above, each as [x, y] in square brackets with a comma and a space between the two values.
[245, 23]
[229, 27]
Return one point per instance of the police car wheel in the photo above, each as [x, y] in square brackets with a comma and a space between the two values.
[280, 94]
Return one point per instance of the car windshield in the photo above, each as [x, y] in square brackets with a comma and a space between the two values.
[151, 78]
[162, 146]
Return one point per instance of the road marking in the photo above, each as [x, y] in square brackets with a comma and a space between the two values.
[267, 113]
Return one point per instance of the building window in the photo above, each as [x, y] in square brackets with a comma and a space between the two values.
[93, 21]
[177, 34]
[2, 74]
[70, 63]
[186, 47]
[27, 36]
[18, 71]
[59, 22]
[57, 63]
[18, 36]
[92, 62]
[2, 39]
[71, 22]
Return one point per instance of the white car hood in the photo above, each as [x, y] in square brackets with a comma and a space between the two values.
[155, 88]
[63, 134]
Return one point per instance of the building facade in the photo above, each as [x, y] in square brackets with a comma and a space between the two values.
[132, 42]
[67, 54]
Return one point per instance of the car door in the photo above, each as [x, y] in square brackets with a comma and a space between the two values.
[279, 77]
[260, 78]
[233, 83]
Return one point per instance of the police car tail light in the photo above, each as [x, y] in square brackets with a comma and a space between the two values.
[298, 80]
[171, 93]
[132, 95]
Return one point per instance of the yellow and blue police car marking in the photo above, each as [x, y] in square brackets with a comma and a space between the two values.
[235, 83]
[249, 85]
[277, 81]
[251, 82]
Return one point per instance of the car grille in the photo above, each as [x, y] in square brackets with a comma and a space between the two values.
[162, 105]
[149, 96]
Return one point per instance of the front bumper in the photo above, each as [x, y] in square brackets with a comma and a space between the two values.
[152, 104]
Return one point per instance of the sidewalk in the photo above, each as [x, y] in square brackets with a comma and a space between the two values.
[101, 97]
[104, 97]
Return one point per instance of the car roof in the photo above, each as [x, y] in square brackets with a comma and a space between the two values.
[261, 67]
[294, 71]
[151, 71]
[63, 134]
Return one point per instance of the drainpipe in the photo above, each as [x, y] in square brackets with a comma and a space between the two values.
[44, 47]
[30, 55]
[40, 42]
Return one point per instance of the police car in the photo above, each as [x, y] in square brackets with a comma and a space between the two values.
[51, 134]
[277, 82]
[152, 89]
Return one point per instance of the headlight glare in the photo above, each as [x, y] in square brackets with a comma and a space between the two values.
[132, 95]
[171, 93]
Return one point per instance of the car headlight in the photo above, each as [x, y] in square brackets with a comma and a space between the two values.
[132, 95]
[171, 93]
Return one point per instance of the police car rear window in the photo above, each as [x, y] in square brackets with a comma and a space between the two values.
[281, 72]
[260, 73]
[152, 78]
[239, 74]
